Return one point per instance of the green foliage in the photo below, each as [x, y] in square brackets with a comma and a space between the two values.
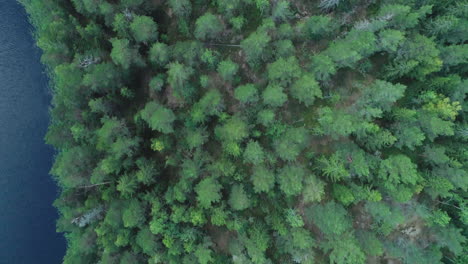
[234, 130]
[385, 219]
[102, 77]
[410, 252]
[323, 67]
[127, 93]
[210, 57]
[156, 84]
[158, 117]
[238, 199]
[196, 138]
[227, 70]
[333, 167]
[290, 179]
[203, 255]
[284, 71]
[109, 132]
[369, 243]
[159, 54]
[451, 238]
[390, 40]
[204, 81]
[147, 171]
[454, 55]
[68, 83]
[207, 27]
[237, 22]
[228, 8]
[306, 89]
[187, 53]
[208, 192]
[147, 241]
[121, 25]
[72, 166]
[363, 42]
[127, 186]
[344, 250]
[134, 214]
[210, 104]
[219, 217]
[408, 135]
[128, 258]
[254, 46]
[262, 5]
[402, 17]
[291, 143]
[396, 170]
[256, 131]
[448, 27]
[274, 96]
[331, 218]
[181, 8]
[254, 153]
[317, 26]
[418, 57]
[328, 4]
[178, 76]
[265, 117]
[262, 179]
[440, 218]
[123, 55]
[256, 243]
[144, 29]
[284, 48]
[281, 11]
[246, 93]
[298, 243]
[314, 189]
[343, 194]
[293, 218]
[343, 54]
[336, 123]
[378, 98]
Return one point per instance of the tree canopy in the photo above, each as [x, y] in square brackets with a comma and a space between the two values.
[256, 131]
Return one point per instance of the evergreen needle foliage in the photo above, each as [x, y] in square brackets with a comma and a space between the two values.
[256, 131]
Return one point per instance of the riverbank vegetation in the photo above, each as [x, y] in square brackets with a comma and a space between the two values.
[257, 131]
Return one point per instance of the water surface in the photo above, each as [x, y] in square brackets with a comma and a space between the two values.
[27, 217]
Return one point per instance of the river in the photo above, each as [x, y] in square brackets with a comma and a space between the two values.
[27, 217]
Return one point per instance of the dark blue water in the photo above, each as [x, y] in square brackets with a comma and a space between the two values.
[27, 217]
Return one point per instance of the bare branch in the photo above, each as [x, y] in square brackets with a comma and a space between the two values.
[220, 44]
[94, 185]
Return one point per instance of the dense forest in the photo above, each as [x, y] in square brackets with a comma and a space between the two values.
[258, 131]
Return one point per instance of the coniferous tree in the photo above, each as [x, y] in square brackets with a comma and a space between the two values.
[256, 131]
